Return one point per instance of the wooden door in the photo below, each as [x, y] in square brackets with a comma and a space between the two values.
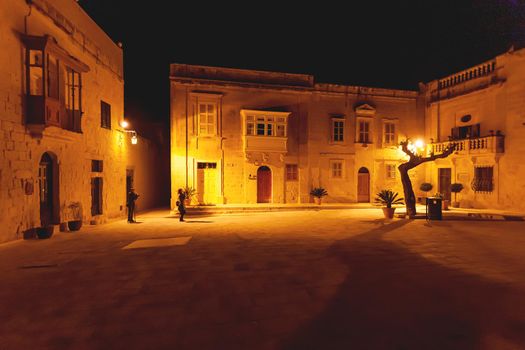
[363, 185]
[264, 185]
[444, 181]
[207, 183]
[45, 187]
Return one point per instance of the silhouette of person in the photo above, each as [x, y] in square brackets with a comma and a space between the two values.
[180, 204]
[130, 203]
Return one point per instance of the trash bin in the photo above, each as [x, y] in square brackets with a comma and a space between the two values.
[434, 208]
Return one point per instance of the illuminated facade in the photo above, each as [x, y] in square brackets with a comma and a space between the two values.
[243, 136]
[61, 98]
[482, 111]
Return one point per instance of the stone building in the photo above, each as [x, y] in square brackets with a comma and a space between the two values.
[61, 101]
[482, 111]
[244, 136]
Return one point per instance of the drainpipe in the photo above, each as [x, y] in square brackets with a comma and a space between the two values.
[186, 136]
[26, 17]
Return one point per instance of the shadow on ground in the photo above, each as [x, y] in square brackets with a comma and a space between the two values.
[393, 298]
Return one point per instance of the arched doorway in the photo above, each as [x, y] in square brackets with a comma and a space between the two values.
[264, 185]
[363, 185]
[48, 189]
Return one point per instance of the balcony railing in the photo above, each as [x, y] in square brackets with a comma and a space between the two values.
[480, 145]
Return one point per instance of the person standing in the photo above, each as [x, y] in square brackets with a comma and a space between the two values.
[130, 203]
[181, 206]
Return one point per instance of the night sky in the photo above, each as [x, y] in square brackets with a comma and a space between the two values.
[395, 45]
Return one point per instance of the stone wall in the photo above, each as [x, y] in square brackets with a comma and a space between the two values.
[21, 150]
[309, 139]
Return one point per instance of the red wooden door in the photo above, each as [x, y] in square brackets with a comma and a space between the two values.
[264, 185]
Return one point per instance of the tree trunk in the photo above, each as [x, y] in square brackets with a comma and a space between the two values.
[410, 197]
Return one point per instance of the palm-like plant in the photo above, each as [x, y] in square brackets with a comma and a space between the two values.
[388, 198]
[318, 192]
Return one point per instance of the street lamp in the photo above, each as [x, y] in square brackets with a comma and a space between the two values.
[124, 124]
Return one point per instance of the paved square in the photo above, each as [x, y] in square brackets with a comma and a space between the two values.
[328, 279]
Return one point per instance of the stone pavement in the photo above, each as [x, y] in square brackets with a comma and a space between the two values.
[327, 279]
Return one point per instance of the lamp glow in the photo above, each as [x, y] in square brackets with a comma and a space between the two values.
[419, 144]
[124, 124]
[134, 139]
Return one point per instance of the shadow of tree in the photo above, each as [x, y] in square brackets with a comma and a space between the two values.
[394, 298]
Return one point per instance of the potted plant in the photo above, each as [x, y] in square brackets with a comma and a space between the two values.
[318, 193]
[45, 231]
[456, 188]
[388, 198]
[76, 214]
[190, 192]
[426, 187]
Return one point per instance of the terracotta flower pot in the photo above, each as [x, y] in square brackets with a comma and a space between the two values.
[389, 212]
[317, 200]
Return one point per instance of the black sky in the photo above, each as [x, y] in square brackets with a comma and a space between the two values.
[393, 44]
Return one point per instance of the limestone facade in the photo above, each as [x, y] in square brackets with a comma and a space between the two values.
[244, 136]
[61, 101]
[482, 110]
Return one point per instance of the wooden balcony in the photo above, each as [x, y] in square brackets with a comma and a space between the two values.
[481, 145]
[265, 144]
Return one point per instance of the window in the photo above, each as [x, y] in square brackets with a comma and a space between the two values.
[262, 125]
[466, 132]
[482, 179]
[336, 169]
[291, 172]
[207, 118]
[338, 130]
[52, 77]
[390, 133]
[206, 165]
[36, 87]
[73, 99]
[96, 166]
[390, 171]
[364, 131]
[105, 115]
[96, 196]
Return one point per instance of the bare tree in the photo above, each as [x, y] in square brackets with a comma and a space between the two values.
[415, 160]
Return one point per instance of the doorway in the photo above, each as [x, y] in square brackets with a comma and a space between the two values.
[264, 185]
[48, 189]
[444, 180]
[207, 183]
[363, 185]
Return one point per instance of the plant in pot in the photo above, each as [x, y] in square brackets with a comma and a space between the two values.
[388, 198]
[318, 193]
[456, 188]
[426, 187]
[190, 192]
[76, 214]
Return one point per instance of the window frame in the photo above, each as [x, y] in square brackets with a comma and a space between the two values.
[292, 172]
[272, 123]
[105, 115]
[392, 139]
[390, 169]
[341, 169]
[336, 131]
[367, 133]
[209, 125]
[482, 182]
